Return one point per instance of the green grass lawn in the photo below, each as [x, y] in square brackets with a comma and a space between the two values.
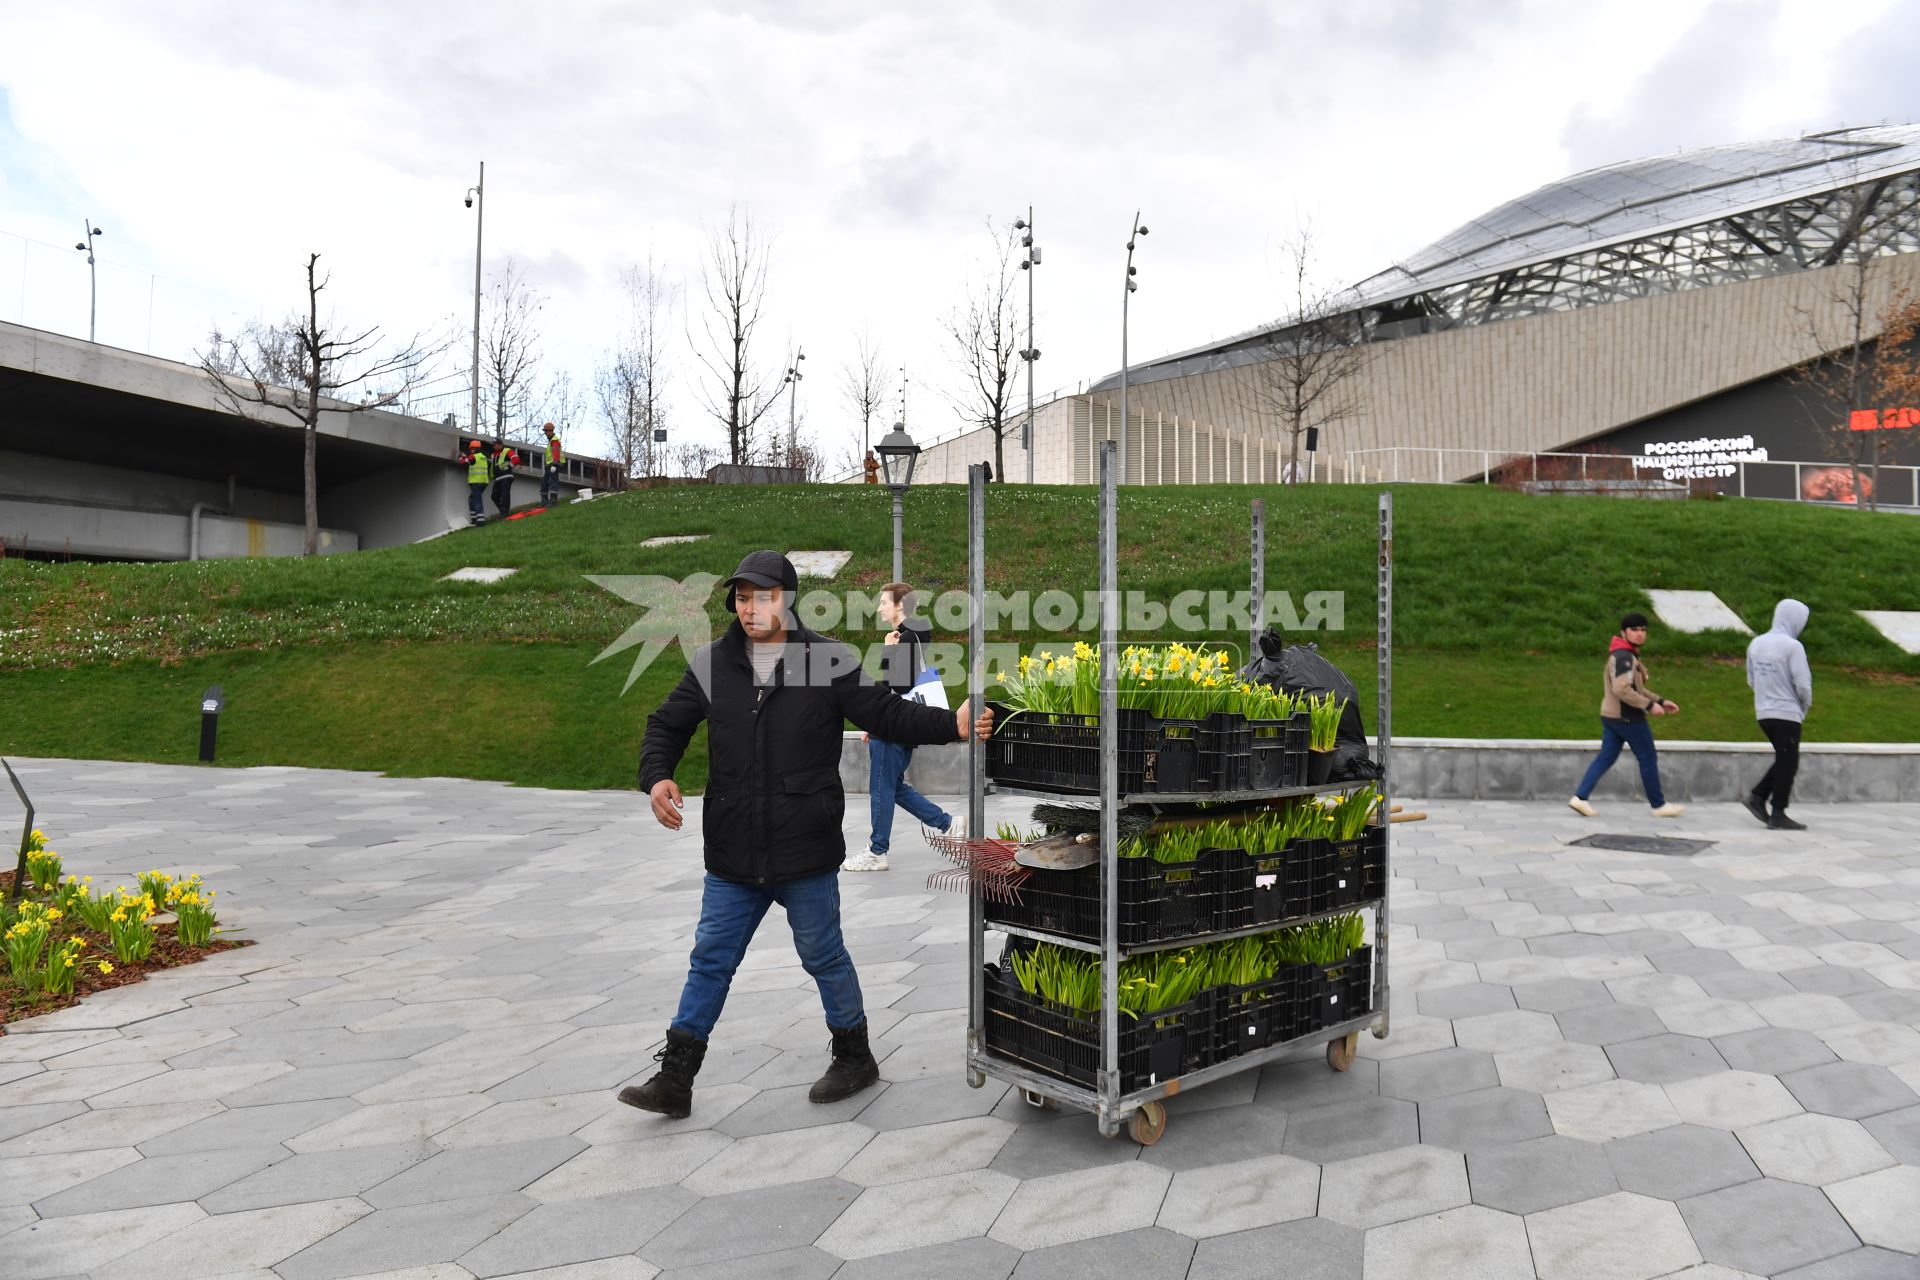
[1503, 603]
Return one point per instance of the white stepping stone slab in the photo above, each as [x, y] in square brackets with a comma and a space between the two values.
[1901, 628]
[819, 564]
[668, 539]
[1695, 611]
[476, 573]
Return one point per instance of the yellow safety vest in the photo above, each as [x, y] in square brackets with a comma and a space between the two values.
[477, 469]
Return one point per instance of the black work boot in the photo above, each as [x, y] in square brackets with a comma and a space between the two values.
[670, 1092]
[1756, 806]
[1781, 822]
[852, 1069]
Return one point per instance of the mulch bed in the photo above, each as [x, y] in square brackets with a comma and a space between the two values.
[168, 953]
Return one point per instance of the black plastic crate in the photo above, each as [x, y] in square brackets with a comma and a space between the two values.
[1061, 752]
[1354, 870]
[1279, 885]
[1269, 766]
[1226, 753]
[1313, 859]
[1158, 900]
[1232, 873]
[1065, 1043]
[1334, 993]
[1249, 1018]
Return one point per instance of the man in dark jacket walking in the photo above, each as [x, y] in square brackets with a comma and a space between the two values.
[774, 696]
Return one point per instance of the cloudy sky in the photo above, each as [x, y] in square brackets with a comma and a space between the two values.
[217, 142]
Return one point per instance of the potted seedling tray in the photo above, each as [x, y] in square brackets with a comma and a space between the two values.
[1226, 753]
[1060, 751]
[1162, 1045]
[1277, 753]
[1158, 900]
[1252, 1017]
[1352, 870]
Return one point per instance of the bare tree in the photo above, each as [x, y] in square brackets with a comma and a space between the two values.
[630, 384]
[689, 458]
[863, 382]
[734, 281]
[564, 405]
[984, 334]
[1309, 366]
[290, 373]
[509, 345]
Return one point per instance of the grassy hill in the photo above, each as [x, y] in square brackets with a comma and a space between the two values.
[1503, 603]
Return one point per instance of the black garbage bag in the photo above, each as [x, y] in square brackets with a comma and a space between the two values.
[1299, 669]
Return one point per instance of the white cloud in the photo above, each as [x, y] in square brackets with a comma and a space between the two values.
[221, 141]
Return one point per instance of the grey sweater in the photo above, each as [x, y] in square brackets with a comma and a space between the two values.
[1777, 667]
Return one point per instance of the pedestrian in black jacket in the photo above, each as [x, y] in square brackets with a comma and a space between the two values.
[774, 696]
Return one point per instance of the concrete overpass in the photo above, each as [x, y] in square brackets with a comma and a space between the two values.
[109, 453]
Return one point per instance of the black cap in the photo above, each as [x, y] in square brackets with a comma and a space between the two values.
[764, 569]
[1633, 620]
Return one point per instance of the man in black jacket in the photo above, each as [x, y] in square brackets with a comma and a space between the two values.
[774, 696]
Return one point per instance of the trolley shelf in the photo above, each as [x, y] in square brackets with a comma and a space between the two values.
[1148, 799]
[1189, 940]
[1074, 1095]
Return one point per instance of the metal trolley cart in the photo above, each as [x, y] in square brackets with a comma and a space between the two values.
[1141, 1108]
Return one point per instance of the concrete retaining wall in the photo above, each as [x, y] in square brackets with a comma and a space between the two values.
[1548, 769]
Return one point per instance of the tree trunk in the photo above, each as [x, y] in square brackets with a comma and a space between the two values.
[1000, 451]
[311, 484]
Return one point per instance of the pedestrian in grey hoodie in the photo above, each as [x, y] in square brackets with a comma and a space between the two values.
[1782, 696]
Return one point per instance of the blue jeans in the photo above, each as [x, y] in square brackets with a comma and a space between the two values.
[729, 914]
[1614, 734]
[887, 786]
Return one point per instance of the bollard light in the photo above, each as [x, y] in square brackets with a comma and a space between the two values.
[211, 703]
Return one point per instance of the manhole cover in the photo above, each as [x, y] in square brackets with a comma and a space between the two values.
[1669, 845]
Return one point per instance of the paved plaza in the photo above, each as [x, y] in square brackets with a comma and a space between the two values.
[1603, 1065]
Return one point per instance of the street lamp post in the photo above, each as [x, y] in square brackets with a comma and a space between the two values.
[93, 276]
[1138, 229]
[1030, 353]
[897, 453]
[477, 195]
[793, 387]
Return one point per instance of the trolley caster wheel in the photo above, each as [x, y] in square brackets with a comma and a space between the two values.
[1340, 1052]
[1039, 1100]
[1147, 1124]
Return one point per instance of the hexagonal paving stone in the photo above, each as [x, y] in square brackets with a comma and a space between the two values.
[1608, 1024]
[1469, 1243]
[1772, 1050]
[1350, 1129]
[1814, 1149]
[1680, 1161]
[1311, 1246]
[1881, 1207]
[1370, 1191]
[1766, 1226]
[1489, 1117]
[1436, 1074]
[1549, 1068]
[917, 1214]
[1463, 1001]
[1663, 1059]
[1543, 1173]
[1732, 1099]
[1851, 1090]
[1078, 1206]
[1865, 1263]
[1616, 1237]
[1240, 1196]
[1610, 1109]
[1514, 1029]
[1898, 1132]
[1558, 995]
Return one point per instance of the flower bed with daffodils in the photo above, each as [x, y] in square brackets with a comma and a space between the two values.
[64, 939]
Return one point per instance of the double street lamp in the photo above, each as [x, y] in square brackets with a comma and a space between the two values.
[1029, 353]
[477, 195]
[1138, 228]
[897, 453]
[93, 277]
[793, 388]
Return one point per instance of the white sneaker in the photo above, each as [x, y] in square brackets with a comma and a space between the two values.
[1582, 808]
[865, 862]
[1669, 810]
[956, 829]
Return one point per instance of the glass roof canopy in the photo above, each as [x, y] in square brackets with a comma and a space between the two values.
[1645, 227]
